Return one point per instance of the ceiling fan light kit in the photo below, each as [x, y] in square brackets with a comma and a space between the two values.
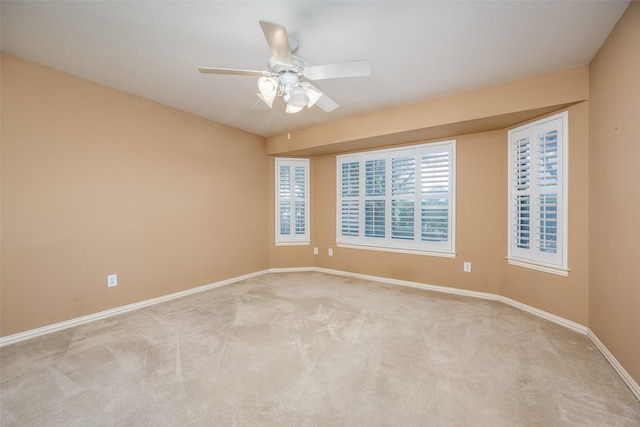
[286, 70]
[268, 87]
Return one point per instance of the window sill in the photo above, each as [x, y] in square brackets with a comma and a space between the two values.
[397, 250]
[560, 271]
[294, 243]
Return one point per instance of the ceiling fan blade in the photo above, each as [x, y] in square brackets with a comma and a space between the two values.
[233, 71]
[339, 70]
[278, 40]
[260, 105]
[326, 104]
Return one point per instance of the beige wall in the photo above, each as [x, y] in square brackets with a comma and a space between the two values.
[96, 182]
[614, 303]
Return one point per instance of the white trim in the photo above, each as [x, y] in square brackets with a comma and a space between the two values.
[293, 243]
[633, 386]
[293, 238]
[292, 270]
[628, 380]
[32, 333]
[535, 266]
[464, 292]
[398, 250]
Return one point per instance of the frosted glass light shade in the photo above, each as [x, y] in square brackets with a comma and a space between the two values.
[313, 94]
[268, 86]
[298, 97]
[293, 109]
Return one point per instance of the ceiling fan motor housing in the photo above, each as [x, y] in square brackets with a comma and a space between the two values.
[296, 66]
[288, 81]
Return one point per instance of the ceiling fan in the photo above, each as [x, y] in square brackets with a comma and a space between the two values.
[286, 71]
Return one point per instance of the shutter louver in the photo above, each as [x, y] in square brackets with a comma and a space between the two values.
[350, 218]
[548, 223]
[522, 163]
[374, 178]
[299, 183]
[548, 159]
[435, 173]
[374, 218]
[350, 179]
[300, 217]
[285, 218]
[435, 221]
[522, 222]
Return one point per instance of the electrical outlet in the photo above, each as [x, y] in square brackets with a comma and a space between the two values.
[467, 267]
[112, 280]
[330, 252]
[315, 251]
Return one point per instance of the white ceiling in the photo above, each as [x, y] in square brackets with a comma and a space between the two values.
[419, 50]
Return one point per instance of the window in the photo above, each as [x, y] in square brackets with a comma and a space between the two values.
[538, 171]
[398, 200]
[292, 201]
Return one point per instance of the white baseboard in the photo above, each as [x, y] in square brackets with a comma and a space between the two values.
[291, 270]
[32, 333]
[633, 386]
[463, 292]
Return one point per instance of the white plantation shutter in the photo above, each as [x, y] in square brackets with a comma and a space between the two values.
[284, 202]
[350, 205]
[292, 201]
[547, 202]
[521, 194]
[374, 202]
[435, 196]
[403, 197]
[538, 171]
[399, 199]
[300, 199]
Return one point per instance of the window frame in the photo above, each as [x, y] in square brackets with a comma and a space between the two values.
[531, 255]
[415, 245]
[284, 239]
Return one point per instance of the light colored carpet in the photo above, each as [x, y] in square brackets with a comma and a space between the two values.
[311, 349]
